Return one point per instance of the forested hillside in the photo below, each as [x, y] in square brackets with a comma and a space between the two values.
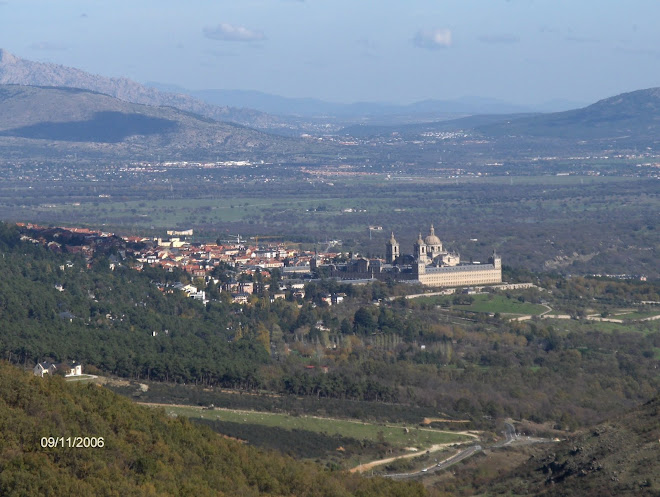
[443, 354]
[143, 453]
[107, 319]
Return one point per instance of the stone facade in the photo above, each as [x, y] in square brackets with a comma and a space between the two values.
[439, 268]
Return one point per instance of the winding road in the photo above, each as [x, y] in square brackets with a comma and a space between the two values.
[510, 436]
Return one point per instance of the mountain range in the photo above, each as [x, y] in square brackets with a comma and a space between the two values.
[17, 71]
[184, 122]
[628, 119]
[252, 108]
[49, 121]
[632, 117]
[315, 108]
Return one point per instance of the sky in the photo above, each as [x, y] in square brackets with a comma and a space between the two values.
[525, 52]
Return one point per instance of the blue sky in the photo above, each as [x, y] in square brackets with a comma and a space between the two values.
[520, 51]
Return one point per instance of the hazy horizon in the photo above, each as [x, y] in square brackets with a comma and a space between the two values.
[518, 51]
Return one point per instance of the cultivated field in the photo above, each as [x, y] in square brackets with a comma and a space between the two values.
[397, 435]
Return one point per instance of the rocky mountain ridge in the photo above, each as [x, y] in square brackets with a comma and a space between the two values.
[17, 71]
[55, 122]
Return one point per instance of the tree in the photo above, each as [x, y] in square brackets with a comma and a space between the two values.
[364, 322]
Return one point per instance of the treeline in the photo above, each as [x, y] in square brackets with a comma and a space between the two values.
[144, 452]
[163, 393]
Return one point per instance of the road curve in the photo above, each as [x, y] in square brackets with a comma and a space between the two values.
[450, 461]
[510, 435]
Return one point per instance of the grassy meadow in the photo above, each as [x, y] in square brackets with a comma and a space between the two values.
[398, 435]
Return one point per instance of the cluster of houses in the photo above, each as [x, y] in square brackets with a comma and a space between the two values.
[197, 259]
[200, 259]
[48, 368]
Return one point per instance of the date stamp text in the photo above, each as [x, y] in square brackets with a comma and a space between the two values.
[72, 442]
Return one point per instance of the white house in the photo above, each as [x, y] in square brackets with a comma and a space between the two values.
[43, 368]
[74, 369]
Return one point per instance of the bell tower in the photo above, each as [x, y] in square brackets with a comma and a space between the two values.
[495, 260]
[391, 250]
[420, 249]
[420, 267]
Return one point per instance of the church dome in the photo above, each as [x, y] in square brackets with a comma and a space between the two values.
[432, 239]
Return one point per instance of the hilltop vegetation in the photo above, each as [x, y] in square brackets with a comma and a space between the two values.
[618, 457]
[144, 453]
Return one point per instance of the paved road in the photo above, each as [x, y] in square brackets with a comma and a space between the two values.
[464, 454]
[458, 457]
[510, 436]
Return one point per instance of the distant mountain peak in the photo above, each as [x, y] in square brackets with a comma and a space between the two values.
[646, 95]
[17, 71]
[632, 118]
[6, 57]
[73, 120]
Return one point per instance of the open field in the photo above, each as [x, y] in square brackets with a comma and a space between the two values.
[398, 436]
[336, 442]
[636, 315]
[177, 212]
[490, 304]
[501, 304]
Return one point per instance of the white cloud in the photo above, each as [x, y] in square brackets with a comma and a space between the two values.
[433, 39]
[229, 32]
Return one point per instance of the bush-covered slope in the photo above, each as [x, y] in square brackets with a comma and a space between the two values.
[144, 452]
[619, 457]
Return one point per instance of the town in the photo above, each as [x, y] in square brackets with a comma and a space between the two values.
[242, 268]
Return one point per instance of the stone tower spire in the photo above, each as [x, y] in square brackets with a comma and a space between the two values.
[420, 249]
[391, 250]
